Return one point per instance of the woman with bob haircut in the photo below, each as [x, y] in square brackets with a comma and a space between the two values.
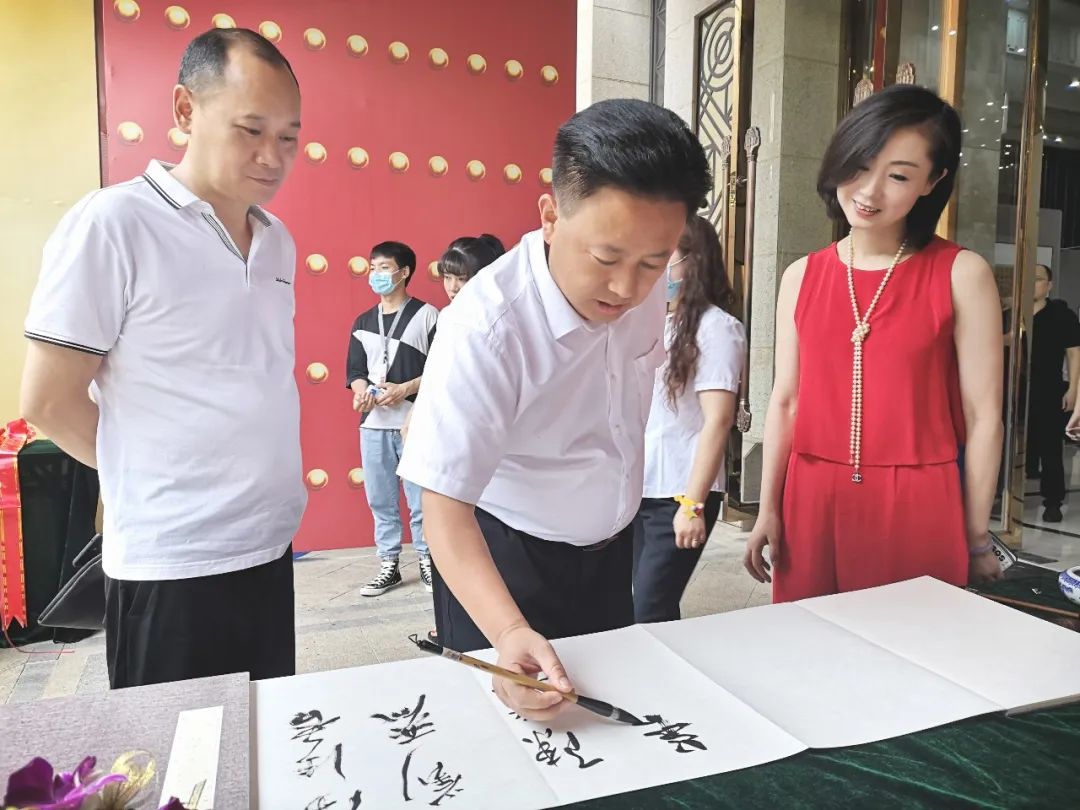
[888, 360]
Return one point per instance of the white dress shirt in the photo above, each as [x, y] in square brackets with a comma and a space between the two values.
[672, 433]
[198, 439]
[532, 413]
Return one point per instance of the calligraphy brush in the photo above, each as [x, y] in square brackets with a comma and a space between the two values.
[591, 704]
[1072, 614]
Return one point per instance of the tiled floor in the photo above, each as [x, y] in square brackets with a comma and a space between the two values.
[336, 627]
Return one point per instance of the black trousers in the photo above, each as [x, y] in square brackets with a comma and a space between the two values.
[662, 569]
[562, 590]
[1046, 444]
[172, 630]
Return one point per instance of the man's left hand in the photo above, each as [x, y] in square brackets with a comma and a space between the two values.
[392, 394]
[689, 532]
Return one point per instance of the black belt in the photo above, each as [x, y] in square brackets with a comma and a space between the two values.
[604, 543]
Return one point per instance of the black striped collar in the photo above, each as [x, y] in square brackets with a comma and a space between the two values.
[158, 176]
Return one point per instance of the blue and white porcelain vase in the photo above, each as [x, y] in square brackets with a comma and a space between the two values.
[1069, 581]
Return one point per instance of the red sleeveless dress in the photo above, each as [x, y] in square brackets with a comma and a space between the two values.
[906, 518]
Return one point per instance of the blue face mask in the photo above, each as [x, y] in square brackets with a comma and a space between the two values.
[673, 285]
[382, 283]
[672, 288]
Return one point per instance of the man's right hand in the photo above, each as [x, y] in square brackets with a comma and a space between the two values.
[522, 649]
[362, 401]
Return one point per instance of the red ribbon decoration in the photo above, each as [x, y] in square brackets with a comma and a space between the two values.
[13, 438]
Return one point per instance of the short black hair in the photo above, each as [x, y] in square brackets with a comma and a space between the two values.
[206, 56]
[865, 130]
[630, 145]
[1049, 272]
[400, 253]
[468, 255]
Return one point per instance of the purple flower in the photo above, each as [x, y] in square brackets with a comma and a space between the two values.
[173, 804]
[36, 785]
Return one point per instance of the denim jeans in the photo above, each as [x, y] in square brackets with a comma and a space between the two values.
[380, 452]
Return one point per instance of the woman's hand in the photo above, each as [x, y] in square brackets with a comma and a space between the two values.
[768, 531]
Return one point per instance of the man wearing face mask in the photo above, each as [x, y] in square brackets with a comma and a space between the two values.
[387, 351]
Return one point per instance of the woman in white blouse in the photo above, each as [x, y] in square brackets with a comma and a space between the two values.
[693, 409]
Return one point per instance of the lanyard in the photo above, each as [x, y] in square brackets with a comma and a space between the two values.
[386, 338]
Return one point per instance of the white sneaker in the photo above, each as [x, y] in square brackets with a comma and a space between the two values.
[389, 576]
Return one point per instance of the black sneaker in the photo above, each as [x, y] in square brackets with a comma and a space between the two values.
[1052, 513]
[425, 571]
[389, 576]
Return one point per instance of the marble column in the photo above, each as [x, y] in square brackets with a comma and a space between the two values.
[613, 50]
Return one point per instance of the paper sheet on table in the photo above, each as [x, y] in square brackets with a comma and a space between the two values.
[719, 693]
[632, 670]
[960, 636]
[191, 775]
[856, 692]
[349, 756]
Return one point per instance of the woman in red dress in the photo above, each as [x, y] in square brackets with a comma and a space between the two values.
[888, 359]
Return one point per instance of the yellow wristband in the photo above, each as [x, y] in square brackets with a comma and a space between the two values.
[691, 508]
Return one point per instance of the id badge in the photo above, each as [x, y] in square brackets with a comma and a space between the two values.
[378, 373]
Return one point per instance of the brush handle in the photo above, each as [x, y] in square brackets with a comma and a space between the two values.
[510, 675]
[1030, 605]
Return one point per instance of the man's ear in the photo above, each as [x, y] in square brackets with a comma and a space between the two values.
[549, 215]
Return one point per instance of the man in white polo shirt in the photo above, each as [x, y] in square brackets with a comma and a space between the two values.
[528, 434]
[171, 297]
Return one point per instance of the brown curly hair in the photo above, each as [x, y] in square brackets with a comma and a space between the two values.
[705, 284]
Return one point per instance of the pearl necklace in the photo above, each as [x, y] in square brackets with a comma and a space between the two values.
[858, 337]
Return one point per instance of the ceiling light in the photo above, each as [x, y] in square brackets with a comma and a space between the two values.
[1075, 83]
[935, 27]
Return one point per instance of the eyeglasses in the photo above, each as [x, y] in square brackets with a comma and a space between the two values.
[678, 261]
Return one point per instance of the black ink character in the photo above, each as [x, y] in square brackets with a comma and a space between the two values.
[445, 785]
[673, 733]
[405, 776]
[319, 803]
[308, 765]
[355, 799]
[309, 729]
[412, 730]
[546, 752]
[337, 760]
[572, 748]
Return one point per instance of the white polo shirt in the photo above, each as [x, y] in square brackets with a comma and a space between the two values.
[198, 439]
[672, 433]
[532, 413]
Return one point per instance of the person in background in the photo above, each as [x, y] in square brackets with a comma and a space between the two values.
[464, 258]
[888, 358]
[693, 410]
[388, 347]
[171, 298]
[1055, 339]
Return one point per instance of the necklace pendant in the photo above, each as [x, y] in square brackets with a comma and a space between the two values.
[857, 477]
